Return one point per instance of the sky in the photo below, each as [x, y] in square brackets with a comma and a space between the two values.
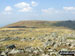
[50, 10]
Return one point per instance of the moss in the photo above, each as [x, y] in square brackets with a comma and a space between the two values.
[2, 48]
[71, 38]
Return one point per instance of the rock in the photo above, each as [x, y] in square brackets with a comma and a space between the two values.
[23, 40]
[45, 54]
[36, 51]
[27, 39]
[3, 54]
[21, 50]
[64, 49]
[15, 38]
[28, 49]
[11, 47]
[5, 39]
[14, 51]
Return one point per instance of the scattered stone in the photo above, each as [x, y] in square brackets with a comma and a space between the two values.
[11, 47]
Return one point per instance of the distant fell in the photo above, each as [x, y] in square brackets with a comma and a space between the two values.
[40, 24]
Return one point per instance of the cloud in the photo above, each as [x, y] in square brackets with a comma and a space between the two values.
[50, 11]
[7, 10]
[53, 13]
[64, 10]
[20, 7]
[34, 3]
[69, 8]
[23, 7]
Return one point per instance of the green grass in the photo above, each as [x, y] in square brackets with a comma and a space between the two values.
[72, 38]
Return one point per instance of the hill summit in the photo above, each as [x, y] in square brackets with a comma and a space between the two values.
[42, 24]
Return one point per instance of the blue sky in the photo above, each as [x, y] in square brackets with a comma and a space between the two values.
[18, 10]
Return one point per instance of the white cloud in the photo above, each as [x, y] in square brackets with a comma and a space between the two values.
[49, 11]
[65, 12]
[34, 3]
[23, 7]
[8, 8]
[69, 8]
[20, 7]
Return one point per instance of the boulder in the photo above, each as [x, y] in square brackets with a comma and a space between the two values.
[11, 46]
[3, 54]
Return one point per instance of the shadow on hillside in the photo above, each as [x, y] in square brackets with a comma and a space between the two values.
[20, 27]
[17, 27]
[68, 24]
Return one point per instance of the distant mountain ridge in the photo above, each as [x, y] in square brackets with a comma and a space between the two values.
[39, 24]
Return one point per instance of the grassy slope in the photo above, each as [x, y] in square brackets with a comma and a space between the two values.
[43, 24]
[31, 24]
[45, 27]
[29, 33]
